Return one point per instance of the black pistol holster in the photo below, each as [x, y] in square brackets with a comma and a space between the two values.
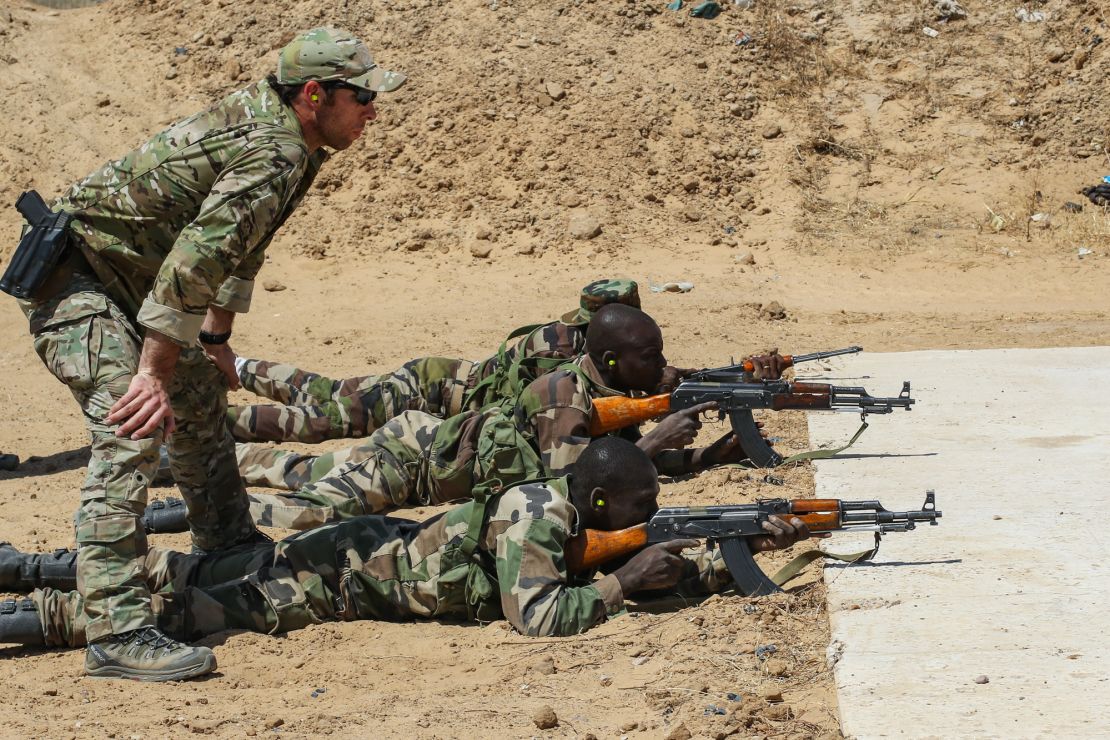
[40, 250]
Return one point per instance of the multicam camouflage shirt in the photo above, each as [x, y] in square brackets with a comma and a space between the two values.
[183, 221]
[395, 569]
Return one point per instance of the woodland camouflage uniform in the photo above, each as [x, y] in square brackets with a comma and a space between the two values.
[501, 558]
[315, 408]
[177, 225]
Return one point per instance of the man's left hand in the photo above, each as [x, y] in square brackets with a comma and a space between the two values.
[223, 357]
[781, 534]
[725, 450]
[768, 366]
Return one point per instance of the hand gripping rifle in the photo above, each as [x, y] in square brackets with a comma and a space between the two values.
[737, 399]
[748, 367]
[728, 527]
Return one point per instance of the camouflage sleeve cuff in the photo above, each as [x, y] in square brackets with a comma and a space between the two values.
[234, 295]
[610, 589]
[180, 327]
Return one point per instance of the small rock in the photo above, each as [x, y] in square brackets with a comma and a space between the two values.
[103, 102]
[233, 68]
[522, 43]
[629, 726]
[482, 232]
[570, 200]
[544, 718]
[272, 286]
[275, 722]
[608, 77]
[691, 185]
[554, 90]
[1081, 58]
[982, 679]
[772, 132]
[225, 39]
[482, 251]
[680, 733]
[773, 311]
[582, 225]
[777, 667]
[1056, 54]
[606, 680]
[640, 660]
[171, 75]
[772, 695]
[778, 711]
[50, 692]
[545, 667]
[1073, 207]
[746, 258]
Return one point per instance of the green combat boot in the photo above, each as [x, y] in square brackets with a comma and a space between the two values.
[163, 517]
[24, 572]
[20, 623]
[146, 654]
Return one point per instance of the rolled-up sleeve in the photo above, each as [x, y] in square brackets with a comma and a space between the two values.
[215, 257]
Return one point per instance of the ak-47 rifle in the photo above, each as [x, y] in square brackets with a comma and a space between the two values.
[736, 399]
[728, 527]
[787, 361]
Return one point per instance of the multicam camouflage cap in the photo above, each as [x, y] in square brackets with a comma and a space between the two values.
[326, 54]
[599, 293]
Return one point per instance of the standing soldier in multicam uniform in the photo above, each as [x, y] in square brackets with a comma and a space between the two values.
[417, 459]
[316, 408]
[492, 558]
[165, 245]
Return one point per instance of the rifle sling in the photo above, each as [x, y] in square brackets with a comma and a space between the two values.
[794, 568]
[825, 453]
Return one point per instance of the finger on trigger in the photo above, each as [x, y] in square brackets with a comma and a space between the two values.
[679, 545]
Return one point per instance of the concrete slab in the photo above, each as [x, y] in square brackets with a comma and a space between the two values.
[1012, 584]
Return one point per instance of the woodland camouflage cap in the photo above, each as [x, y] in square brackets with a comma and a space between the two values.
[326, 54]
[602, 292]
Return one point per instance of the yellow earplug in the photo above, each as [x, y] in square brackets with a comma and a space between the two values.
[315, 98]
[601, 502]
[612, 362]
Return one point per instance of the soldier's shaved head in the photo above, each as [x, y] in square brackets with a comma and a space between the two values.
[614, 326]
[614, 464]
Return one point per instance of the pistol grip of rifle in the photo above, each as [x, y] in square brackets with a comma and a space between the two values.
[755, 447]
[750, 580]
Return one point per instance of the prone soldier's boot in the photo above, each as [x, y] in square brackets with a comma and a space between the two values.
[20, 623]
[23, 572]
[147, 654]
[163, 517]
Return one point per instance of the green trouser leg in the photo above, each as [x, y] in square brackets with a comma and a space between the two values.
[88, 343]
[277, 468]
[388, 471]
[316, 408]
[195, 595]
[202, 455]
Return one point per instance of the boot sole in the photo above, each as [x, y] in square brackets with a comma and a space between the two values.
[138, 674]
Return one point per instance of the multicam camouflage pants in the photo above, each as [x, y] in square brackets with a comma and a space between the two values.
[316, 408]
[327, 574]
[89, 344]
[389, 470]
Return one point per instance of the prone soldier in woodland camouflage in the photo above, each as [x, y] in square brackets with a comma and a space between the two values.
[500, 556]
[316, 408]
[164, 247]
[417, 459]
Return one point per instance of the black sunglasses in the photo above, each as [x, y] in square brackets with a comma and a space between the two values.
[362, 95]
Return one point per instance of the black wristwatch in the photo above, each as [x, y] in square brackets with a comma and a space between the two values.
[206, 338]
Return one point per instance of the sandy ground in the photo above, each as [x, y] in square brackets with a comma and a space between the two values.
[879, 184]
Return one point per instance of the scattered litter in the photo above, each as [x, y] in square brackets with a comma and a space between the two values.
[730, 229]
[671, 287]
[1026, 16]
[744, 4]
[997, 222]
[1083, 252]
[765, 651]
[982, 679]
[180, 51]
[948, 10]
[316, 692]
[1072, 207]
[1106, 179]
[713, 709]
[1006, 252]
[733, 696]
[1038, 217]
[707, 10]
[930, 32]
[743, 39]
[674, 5]
[774, 481]
[751, 609]
[9, 462]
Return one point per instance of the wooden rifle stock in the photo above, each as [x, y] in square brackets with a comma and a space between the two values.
[611, 413]
[593, 547]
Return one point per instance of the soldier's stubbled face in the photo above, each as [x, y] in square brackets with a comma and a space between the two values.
[640, 360]
[341, 119]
